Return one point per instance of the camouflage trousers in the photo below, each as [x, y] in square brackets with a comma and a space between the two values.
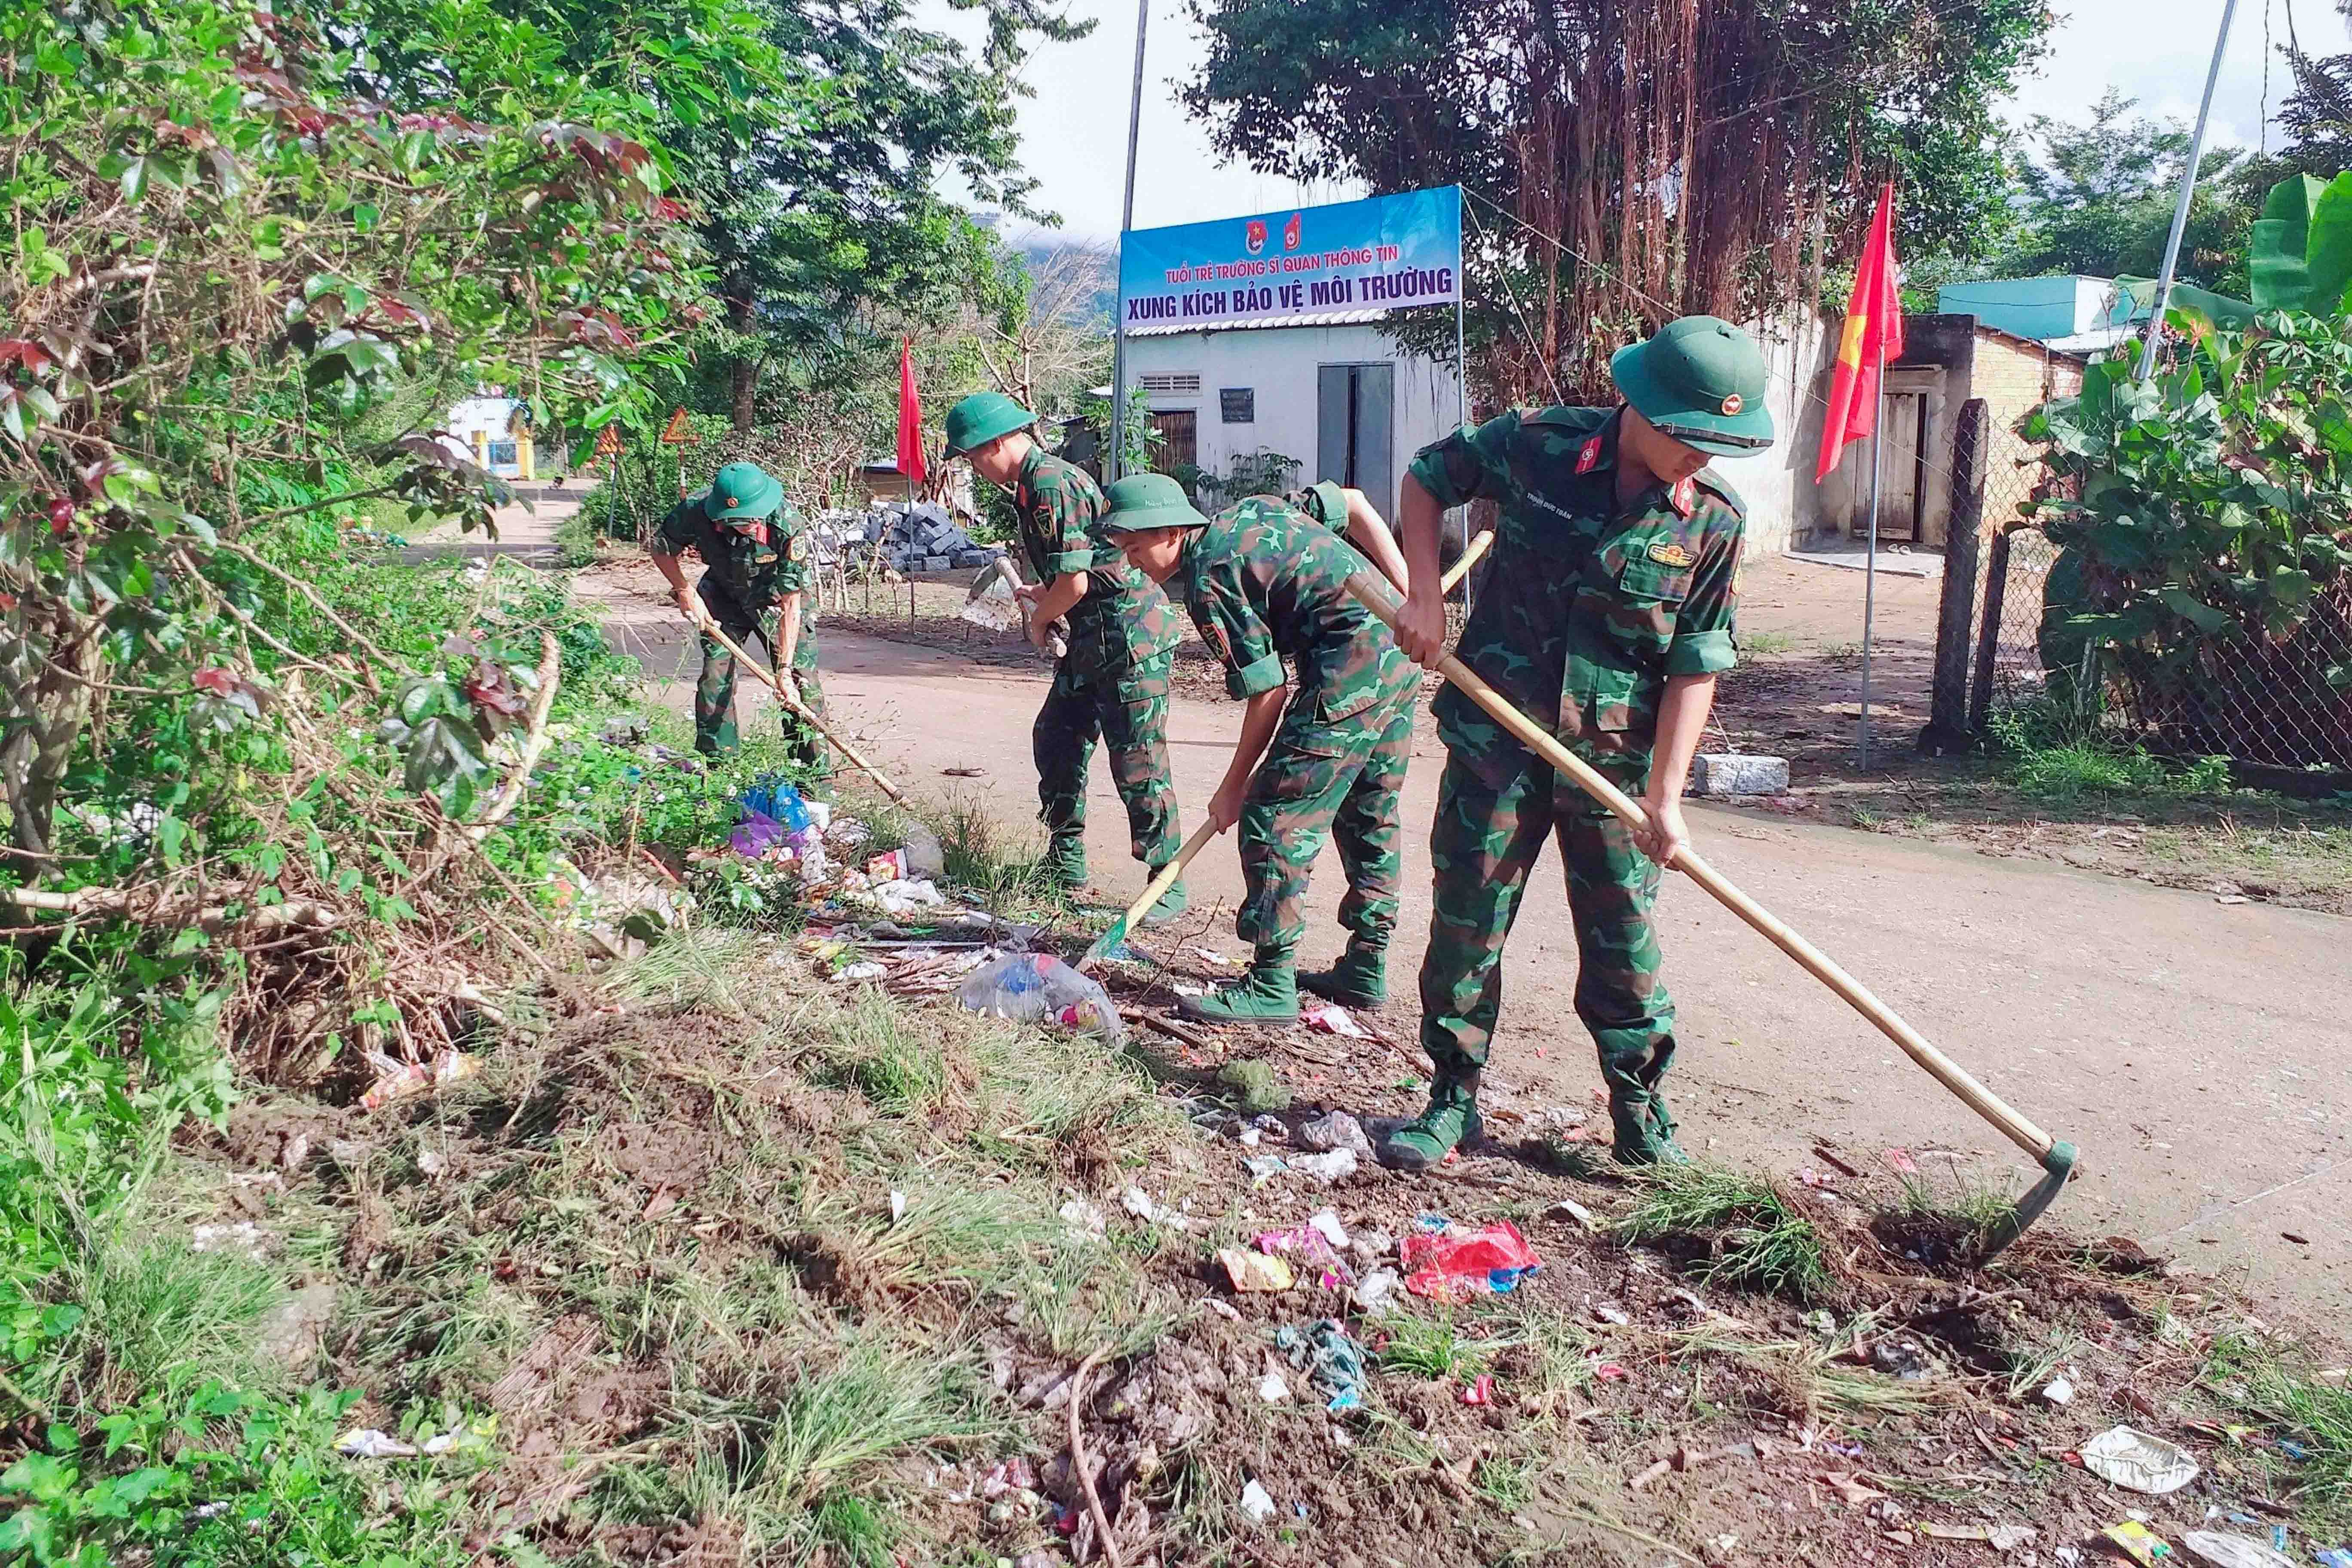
[1482, 845]
[714, 694]
[1338, 780]
[1128, 712]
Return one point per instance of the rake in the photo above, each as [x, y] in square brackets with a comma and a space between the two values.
[791, 702]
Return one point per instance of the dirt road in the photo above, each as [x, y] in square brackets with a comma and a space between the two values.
[2196, 1051]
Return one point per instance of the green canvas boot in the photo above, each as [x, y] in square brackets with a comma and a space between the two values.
[1268, 993]
[1169, 905]
[1451, 1122]
[1645, 1133]
[1065, 862]
[1357, 979]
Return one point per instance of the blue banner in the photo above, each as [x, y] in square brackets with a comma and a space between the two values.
[1378, 254]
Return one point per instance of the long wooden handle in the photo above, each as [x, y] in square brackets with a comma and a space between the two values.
[1058, 645]
[1541, 741]
[1160, 882]
[791, 700]
[1461, 568]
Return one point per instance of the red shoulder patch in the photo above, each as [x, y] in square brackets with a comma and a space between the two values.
[1589, 459]
[1684, 496]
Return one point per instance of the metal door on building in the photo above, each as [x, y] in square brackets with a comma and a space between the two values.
[1355, 429]
[1177, 449]
[1900, 486]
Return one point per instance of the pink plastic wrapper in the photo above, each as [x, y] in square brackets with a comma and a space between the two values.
[1312, 1249]
[1452, 1264]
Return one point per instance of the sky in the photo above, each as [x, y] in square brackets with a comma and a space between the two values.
[1073, 130]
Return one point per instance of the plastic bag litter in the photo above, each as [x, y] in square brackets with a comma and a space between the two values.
[367, 1443]
[1257, 1503]
[1254, 1271]
[775, 796]
[1331, 1356]
[2233, 1551]
[1335, 1165]
[1313, 1250]
[1039, 985]
[1375, 1293]
[1452, 1264]
[398, 1079]
[2138, 1543]
[1336, 1129]
[2138, 1462]
[995, 609]
[1333, 1019]
[758, 836]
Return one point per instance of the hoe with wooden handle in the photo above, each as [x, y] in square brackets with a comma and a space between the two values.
[1159, 884]
[791, 700]
[2056, 1157]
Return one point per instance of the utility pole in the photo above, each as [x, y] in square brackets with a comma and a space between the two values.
[1112, 462]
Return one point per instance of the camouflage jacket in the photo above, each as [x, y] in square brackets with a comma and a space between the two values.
[1124, 619]
[1267, 583]
[752, 564]
[1589, 606]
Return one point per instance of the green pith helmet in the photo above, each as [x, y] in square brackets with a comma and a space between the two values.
[981, 418]
[1701, 381]
[1149, 500]
[741, 493]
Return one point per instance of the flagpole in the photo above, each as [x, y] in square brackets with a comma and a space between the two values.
[2180, 203]
[1112, 461]
[1870, 557]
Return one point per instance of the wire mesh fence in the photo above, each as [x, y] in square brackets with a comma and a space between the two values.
[2264, 697]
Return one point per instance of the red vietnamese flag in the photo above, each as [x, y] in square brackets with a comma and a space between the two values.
[910, 417]
[1872, 337]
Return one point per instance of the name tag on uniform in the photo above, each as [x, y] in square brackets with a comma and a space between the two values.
[1671, 555]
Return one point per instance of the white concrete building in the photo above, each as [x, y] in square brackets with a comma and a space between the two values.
[1333, 394]
[484, 428]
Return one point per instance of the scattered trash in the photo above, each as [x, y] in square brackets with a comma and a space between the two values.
[1260, 1090]
[1085, 1220]
[1187, 988]
[1606, 1371]
[1333, 1019]
[1258, 1504]
[1616, 1315]
[1038, 984]
[890, 868]
[1274, 1388]
[1568, 1208]
[1211, 955]
[964, 773]
[1452, 1263]
[868, 970]
[1263, 1168]
[1332, 1359]
[1905, 1360]
[1311, 1247]
[1255, 1272]
[399, 1079]
[473, 1437]
[1014, 1475]
[2294, 1450]
[994, 608]
[2333, 1557]
[1137, 1202]
[2058, 1391]
[2138, 1462]
[367, 1443]
[1336, 1165]
[1902, 1161]
[1326, 1223]
[2233, 1551]
[1375, 1293]
[2010, 1537]
[2138, 1543]
[1479, 1390]
[1336, 1129]
[241, 1236]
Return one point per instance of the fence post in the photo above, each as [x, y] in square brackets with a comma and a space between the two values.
[1988, 633]
[1950, 726]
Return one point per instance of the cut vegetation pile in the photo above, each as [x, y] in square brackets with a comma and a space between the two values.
[723, 1263]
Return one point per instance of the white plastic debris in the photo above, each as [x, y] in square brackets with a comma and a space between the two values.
[906, 895]
[2058, 1391]
[1272, 1388]
[1140, 1203]
[367, 1443]
[1335, 1130]
[1337, 1164]
[1257, 1503]
[2138, 1462]
[1325, 1224]
[897, 1206]
[2010, 1537]
[1263, 1168]
[867, 971]
[1375, 1293]
[1085, 1220]
[2234, 1550]
[1333, 1019]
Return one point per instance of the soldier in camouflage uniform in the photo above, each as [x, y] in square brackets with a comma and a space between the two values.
[1608, 618]
[1265, 582]
[1112, 682]
[757, 550]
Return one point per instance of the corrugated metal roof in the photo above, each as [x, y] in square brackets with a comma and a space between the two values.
[1256, 323]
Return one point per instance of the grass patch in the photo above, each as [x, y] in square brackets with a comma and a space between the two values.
[2275, 1384]
[1754, 1240]
[1765, 644]
[1434, 1348]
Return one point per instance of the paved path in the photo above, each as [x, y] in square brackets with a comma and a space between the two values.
[2200, 1054]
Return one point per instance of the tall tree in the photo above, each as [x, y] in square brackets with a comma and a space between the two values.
[2096, 198]
[2317, 114]
[1627, 160]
